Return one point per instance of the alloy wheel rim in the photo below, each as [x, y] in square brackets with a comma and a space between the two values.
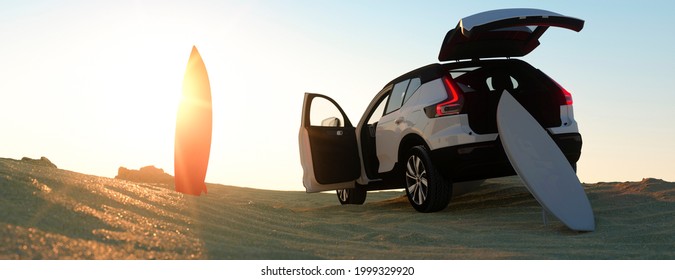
[417, 181]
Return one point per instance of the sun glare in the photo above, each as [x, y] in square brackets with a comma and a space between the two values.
[141, 102]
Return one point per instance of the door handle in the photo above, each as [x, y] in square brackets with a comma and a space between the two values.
[399, 120]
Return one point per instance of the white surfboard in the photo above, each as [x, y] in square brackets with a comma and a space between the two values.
[542, 166]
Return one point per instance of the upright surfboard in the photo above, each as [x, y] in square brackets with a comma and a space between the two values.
[193, 128]
[542, 166]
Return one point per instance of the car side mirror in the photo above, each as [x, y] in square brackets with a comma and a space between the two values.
[331, 122]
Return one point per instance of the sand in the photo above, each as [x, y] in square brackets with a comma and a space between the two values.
[48, 213]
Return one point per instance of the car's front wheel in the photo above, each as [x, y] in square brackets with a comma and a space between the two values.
[427, 190]
[352, 196]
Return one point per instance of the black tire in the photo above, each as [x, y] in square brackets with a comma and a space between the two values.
[352, 196]
[426, 189]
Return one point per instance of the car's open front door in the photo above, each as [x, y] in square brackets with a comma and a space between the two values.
[328, 149]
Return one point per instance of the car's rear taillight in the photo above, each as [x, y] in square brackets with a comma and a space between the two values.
[450, 106]
[566, 95]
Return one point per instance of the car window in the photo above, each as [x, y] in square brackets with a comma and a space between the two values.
[454, 73]
[378, 112]
[457, 74]
[396, 97]
[324, 113]
[412, 88]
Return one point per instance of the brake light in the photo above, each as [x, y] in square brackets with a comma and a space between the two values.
[450, 106]
[566, 94]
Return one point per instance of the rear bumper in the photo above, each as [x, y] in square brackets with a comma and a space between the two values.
[485, 160]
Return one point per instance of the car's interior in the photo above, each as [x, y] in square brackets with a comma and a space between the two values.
[484, 83]
[369, 152]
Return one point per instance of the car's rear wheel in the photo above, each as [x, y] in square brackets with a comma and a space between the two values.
[352, 196]
[427, 190]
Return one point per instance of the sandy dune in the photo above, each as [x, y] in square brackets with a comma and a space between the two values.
[48, 213]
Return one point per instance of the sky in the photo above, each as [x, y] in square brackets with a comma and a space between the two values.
[94, 85]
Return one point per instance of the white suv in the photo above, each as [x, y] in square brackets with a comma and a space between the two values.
[436, 125]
